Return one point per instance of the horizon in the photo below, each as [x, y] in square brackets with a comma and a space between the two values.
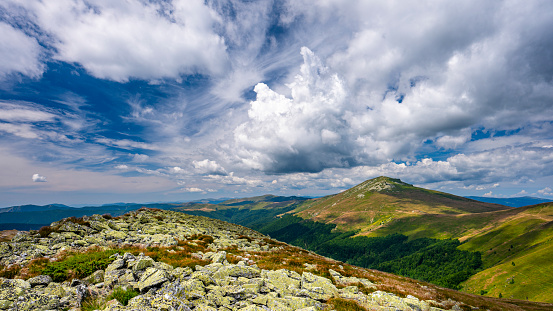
[83, 205]
[165, 101]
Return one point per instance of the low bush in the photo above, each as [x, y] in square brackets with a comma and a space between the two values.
[123, 295]
[73, 265]
[9, 272]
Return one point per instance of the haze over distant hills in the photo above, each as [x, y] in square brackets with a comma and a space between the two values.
[513, 202]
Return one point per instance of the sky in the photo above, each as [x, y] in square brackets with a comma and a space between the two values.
[158, 101]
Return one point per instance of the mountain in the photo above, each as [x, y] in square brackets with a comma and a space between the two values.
[376, 202]
[513, 202]
[34, 208]
[162, 260]
[383, 207]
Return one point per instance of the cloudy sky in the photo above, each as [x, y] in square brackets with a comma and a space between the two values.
[149, 100]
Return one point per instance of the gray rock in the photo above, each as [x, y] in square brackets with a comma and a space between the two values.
[152, 277]
[40, 280]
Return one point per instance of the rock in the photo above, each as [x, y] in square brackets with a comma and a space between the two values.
[190, 289]
[142, 263]
[318, 288]
[115, 265]
[220, 257]
[96, 277]
[40, 280]
[152, 277]
[237, 271]
[202, 307]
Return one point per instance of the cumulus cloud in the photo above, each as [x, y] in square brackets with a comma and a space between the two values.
[39, 178]
[133, 39]
[209, 167]
[391, 91]
[193, 189]
[305, 133]
[231, 179]
[19, 53]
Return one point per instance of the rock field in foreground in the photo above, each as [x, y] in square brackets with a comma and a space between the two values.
[216, 284]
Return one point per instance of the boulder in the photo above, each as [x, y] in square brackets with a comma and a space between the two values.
[317, 287]
[152, 277]
[43, 280]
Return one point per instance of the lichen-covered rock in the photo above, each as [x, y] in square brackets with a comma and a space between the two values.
[317, 287]
[96, 277]
[190, 289]
[283, 281]
[142, 263]
[152, 277]
[41, 280]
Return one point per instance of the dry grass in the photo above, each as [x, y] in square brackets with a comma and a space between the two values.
[7, 235]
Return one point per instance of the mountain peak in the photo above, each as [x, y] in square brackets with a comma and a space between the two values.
[381, 183]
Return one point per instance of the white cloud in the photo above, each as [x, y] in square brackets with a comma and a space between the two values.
[20, 130]
[546, 191]
[122, 167]
[12, 112]
[521, 193]
[19, 53]
[209, 167]
[193, 189]
[304, 133]
[140, 157]
[133, 39]
[407, 74]
[177, 170]
[39, 178]
[231, 179]
[126, 144]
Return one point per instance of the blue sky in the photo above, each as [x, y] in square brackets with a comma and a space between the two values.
[142, 101]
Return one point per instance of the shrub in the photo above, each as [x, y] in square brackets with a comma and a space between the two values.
[9, 272]
[340, 304]
[123, 295]
[46, 230]
[79, 221]
[74, 265]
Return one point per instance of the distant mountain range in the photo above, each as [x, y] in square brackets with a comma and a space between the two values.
[513, 202]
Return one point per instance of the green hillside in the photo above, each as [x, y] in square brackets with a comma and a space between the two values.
[377, 202]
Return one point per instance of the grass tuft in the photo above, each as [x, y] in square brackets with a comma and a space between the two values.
[123, 295]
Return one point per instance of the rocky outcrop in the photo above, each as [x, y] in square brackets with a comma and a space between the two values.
[147, 228]
[215, 285]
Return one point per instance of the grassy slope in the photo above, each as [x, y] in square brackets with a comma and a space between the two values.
[377, 202]
[525, 240]
[522, 236]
